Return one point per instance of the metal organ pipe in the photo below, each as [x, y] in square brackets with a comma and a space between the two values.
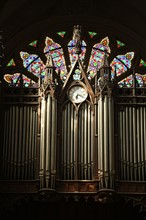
[144, 146]
[20, 142]
[42, 147]
[134, 143]
[99, 148]
[5, 145]
[53, 143]
[127, 144]
[142, 142]
[48, 140]
[72, 143]
[105, 142]
[111, 142]
[138, 145]
[89, 160]
[9, 143]
[100, 142]
[106, 139]
[13, 145]
[121, 143]
[85, 141]
[130, 144]
[68, 150]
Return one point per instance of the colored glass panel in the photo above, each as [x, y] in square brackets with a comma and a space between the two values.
[144, 79]
[120, 44]
[57, 55]
[128, 81]
[50, 45]
[14, 79]
[142, 63]
[11, 63]
[72, 54]
[8, 78]
[33, 43]
[92, 34]
[33, 63]
[27, 82]
[62, 33]
[121, 63]
[97, 55]
[139, 80]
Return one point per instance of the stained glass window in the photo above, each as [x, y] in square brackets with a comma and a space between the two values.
[14, 79]
[92, 34]
[121, 63]
[97, 55]
[142, 63]
[72, 54]
[62, 33]
[33, 43]
[57, 54]
[120, 44]
[128, 81]
[11, 63]
[33, 63]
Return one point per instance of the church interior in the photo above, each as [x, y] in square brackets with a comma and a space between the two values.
[72, 110]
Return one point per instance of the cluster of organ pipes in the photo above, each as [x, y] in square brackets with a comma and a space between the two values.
[132, 143]
[77, 142]
[19, 143]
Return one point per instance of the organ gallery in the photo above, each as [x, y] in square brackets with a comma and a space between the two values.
[73, 128]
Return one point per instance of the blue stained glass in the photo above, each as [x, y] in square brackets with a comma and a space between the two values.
[128, 81]
[97, 55]
[121, 63]
[57, 54]
[33, 63]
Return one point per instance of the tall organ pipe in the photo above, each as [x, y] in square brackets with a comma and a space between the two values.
[144, 146]
[106, 139]
[142, 142]
[105, 142]
[111, 142]
[127, 143]
[138, 145]
[72, 142]
[20, 142]
[130, 144]
[101, 142]
[42, 143]
[53, 143]
[134, 143]
[48, 141]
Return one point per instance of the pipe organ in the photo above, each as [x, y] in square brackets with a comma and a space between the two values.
[74, 136]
